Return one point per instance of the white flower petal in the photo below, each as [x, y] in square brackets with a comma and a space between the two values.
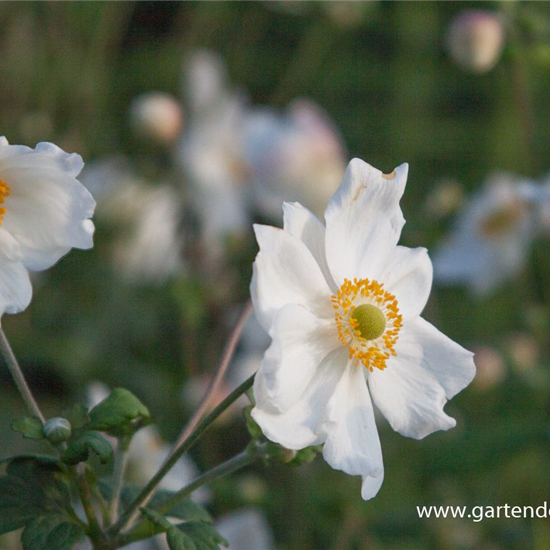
[428, 370]
[371, 485]
[408, 276]
[15, 287]
[304, 225]
[285, 272]
[48, 209]
[300, 343]
[364, 221]
[300, 425]
[352, 443]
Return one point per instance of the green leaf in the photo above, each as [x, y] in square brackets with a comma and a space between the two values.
[17, 505]
[186, 509]
[204, 535]
[77, 416]
[53, 532]
[29, 426]
[33, 487]
[156, 519]
[119, 414]
[79, 450]
[177, 540]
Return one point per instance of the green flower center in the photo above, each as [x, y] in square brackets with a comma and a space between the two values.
[371, 322]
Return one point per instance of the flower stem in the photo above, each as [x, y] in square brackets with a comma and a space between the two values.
[146, 493]
[19, 378]
[235, 463]
[121, 459]
[86, 499]
[216, 380]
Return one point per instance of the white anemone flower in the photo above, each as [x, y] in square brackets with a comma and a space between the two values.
[342, 305]
[44, 212]
[492, 238]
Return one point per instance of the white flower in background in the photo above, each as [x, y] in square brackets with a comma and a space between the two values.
[211, 153]
[342, 304]
[246, 529]
[44, 212]
[475, 40]
[149, 242]
[157, 116]
[492, 237]
[298, 156]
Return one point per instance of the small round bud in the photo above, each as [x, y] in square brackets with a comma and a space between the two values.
[475, 40]
[156, 116]
[57, 430]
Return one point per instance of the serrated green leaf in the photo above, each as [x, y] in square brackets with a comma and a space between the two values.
[52, 532]
[17, 505]
[204, 535]
[29, 426]
[77, 416]
[156, 519]
[79, 450]
[119, 414]
[178, 540]
[186, 509]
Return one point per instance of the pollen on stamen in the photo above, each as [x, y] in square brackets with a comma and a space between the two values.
[4, 192]
[377, 318]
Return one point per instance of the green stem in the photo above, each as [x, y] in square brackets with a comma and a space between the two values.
[19, 378]
[121, 459]
[239, 461]
[85, 494]
[148, 490]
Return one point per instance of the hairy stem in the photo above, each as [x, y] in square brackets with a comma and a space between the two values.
[19, 378]
[149, 489]
[239, 461]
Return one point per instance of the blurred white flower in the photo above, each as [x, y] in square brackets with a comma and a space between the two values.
[157, 116]
[492, 237]
[297, 156]
[211, 153]
[342, 304]
[148, 218]
[246, 529]
[444, 199]
[490, 368]
[44, 212]
[475, 40]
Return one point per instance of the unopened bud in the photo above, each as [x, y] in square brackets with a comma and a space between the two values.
[475, 40]
[57, 430]
[156, 116]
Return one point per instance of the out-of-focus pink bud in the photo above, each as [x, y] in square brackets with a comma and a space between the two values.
[157, 116]
[475, 39]
[490, 368]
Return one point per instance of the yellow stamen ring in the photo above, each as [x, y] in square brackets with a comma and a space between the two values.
[368, 321]
[4, 192]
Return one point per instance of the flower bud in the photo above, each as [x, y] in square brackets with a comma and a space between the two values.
[475, 39]
[156, 116]
[57, 430]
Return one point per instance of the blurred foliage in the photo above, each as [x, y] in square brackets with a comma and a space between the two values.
[69, 72]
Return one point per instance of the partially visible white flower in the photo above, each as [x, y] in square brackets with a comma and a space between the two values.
[492, 238]
[297, 156]
[211, 153]
[342, 304]
[149, 242]
[157, 116]
[44, 212]
[475, 40]
[246, 529]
